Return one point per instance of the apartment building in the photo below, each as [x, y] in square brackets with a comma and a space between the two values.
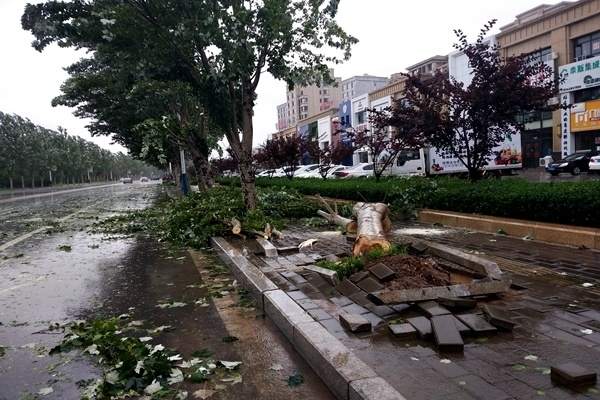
[304, 101]
[282, 117]
[361, 84]
[567, 37]
[429, 66]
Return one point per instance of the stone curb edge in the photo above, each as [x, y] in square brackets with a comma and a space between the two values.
[345, 375]
[542, 231]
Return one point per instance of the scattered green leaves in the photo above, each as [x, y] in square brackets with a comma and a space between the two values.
[295, 380]
[349, 265]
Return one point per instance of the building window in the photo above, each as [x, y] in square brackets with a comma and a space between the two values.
[587, 46]
[360, 117]
[587, 94]
[363, 157]
[543, 55]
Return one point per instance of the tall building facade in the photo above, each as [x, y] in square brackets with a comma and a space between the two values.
[304, 101]
[361, 84]
[567, 37]
[282, 117]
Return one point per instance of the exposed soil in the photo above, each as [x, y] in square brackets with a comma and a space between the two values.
[415, 272]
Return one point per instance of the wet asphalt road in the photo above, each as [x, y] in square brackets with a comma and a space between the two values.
[100, 276]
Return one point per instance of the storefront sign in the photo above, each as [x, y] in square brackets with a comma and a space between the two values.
[585, 116]
[565, 127]
[579, 75]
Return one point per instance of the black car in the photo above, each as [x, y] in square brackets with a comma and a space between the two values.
[574, 163]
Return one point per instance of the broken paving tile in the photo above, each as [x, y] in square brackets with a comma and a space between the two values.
[293, 277]
[354, 309]
[403, 331]
[458, 303]
[355, 323]
[373, 319]
[498, 317]
[359, 276]
[447, 336]
[401, 307]
[418, 248]
[382, 272]
[462, 328]
[476, 323]
[571, 374]
[347, 288]
[432, 309]
[370, 285]
[380, 311]
[422, 326]
[360, 298]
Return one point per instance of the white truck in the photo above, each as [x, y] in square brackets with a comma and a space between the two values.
[432, 161]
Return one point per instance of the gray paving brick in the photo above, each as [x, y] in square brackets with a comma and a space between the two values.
[354, 309]
[318, 314]
[340, 301]
[481, 389]
[446, 333]
[373, 389]
[451, 370]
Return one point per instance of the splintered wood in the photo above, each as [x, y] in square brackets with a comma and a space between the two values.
[373, 225]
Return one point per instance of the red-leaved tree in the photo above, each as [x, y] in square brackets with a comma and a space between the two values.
[284, 152]
[469, 121]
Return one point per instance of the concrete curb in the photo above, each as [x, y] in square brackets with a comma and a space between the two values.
[545, 232]
[346, 375]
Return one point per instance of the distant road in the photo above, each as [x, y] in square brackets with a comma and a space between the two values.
[55, 193]
[18, 192]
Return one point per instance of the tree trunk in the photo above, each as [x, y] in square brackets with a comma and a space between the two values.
[246, 171]
[33, 182]
[22, 182]
[248, 182]
[202, 168]
[474, 174]
[373, 224]
[11, 182]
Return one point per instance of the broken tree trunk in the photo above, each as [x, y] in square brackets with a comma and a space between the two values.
[373, 224]
[333, 217]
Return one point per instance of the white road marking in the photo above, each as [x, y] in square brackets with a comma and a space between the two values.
[26, 236]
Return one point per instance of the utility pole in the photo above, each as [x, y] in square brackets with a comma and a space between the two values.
[183, 179]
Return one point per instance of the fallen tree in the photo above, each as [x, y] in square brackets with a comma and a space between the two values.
[373, 225]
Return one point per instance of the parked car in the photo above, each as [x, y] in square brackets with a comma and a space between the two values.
[574, 163]
[594, 165]
[306, 170]
[127, 180]
[144, 179]
[281, 172]
[315, 173]
[266, 173]
[363, 170]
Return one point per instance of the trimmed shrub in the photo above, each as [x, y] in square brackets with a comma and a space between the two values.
[572, 203]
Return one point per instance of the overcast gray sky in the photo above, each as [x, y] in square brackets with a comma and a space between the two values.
[393, 34]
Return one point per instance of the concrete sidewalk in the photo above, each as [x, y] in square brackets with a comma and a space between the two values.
[558, 321]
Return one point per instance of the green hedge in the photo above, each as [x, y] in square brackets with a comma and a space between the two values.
[572, 203]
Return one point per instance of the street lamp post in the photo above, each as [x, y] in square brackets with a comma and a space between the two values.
[183, 178]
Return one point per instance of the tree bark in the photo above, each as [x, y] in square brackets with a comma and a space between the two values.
[373, 224]
[246, 170]
[11, 182]
[202, 168]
